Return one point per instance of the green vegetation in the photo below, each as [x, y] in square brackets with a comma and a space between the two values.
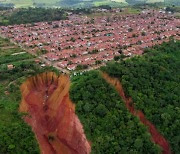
[15, 135]
[107, 123]
[173, 9]
[32, 15]
[29, 3]
[18, 3]
[6, 6]
[159, 2]
[94, 51]
[81, 67]
[113, 3]
[80, 3]
[41, 52]
[10, 53]
[109, 14]
[12, 58]
[3, 8]
[153, 81]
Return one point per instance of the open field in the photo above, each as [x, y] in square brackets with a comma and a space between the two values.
[110, 2]
[9, 53]
[52, 3]
[154, 1]
[108, 14]
[10, 120]
[120, 1]
[28, 3]
[177, 15]
[19, 3]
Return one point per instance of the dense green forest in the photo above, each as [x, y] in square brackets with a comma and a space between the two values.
[32, 15]
[15, 135]
[108, 125]
[3, 8]
[153, 81]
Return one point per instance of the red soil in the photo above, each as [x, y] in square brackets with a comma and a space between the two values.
[156, 136]
[52, 117]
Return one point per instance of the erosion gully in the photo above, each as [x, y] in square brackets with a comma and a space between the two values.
[157, 138]
[51, 114]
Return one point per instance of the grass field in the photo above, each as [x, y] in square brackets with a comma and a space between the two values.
[155, 1]
[110, 2]
[126, 11]
[28, 3]
[20, 3]
[120, 1]
[50, 3]
[177, 15]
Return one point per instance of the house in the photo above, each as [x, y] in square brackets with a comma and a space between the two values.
[71, 67]
[123, 33]
[10, 66]
[62, 64]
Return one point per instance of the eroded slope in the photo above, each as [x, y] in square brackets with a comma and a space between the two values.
[106, 120]
[156, 136]
[45, 98]
[153, 82]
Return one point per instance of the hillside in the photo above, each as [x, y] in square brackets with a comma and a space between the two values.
[133, 109]
[65, 3]
[77, 3]
[16, 136]
[15, 66]
[149, 86]
[153, 82]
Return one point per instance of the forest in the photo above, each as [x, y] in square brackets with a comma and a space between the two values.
[32, 15]
[108, 125]
[153, 82]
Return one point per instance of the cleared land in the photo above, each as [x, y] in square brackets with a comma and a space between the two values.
[50, 3]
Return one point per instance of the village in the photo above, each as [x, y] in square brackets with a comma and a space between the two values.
[83, 42]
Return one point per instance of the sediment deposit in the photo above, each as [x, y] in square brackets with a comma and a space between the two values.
[51, 114]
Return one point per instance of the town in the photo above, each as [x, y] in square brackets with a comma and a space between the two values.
[89, 76]
[84, 42]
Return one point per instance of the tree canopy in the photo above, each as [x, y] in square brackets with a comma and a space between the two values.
[153, 82]
[108, 125]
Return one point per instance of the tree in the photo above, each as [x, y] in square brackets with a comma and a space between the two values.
[130, 30]
[101, 110]
[98, 62]
[116, 58]
[143, 34]
[72, 39]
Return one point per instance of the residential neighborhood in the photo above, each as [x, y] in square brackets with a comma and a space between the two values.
[89, 76]
[89, 42]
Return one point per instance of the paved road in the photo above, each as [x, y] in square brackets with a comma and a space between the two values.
[47, 62]
[54, 65]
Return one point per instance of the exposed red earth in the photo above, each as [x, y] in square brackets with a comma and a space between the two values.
[51, 114]
[156, 136]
